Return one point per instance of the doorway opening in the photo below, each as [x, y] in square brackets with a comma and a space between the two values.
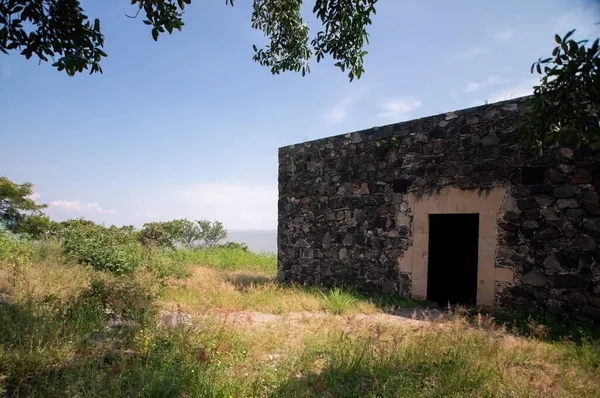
[452, 268]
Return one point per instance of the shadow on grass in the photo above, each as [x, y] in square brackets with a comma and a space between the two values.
[545, 326]
[343, 299]
[56, 349]
[359, 373]
[339, 299]
[335, 299]
[244, 280]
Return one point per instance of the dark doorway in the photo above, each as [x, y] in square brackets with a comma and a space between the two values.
[452, 269]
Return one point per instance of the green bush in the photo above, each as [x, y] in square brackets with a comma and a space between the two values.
[157, 260]
[14, 249]
[117, 250]
[234, 245]
[110, 249]
[182, 233]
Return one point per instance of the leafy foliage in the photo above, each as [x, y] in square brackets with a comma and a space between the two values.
[36, 226]
[16, 204]
[17, 253]
[234, 246]
[344, 37]
[161, 234]
[49, 29]
[11, 247]
[112, 249]
[60, 30]
[207, 233]
[182, 233]
[566, 104]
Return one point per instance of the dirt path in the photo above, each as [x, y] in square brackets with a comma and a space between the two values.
[414, 317]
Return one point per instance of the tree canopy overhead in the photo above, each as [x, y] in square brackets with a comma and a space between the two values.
[60, 31]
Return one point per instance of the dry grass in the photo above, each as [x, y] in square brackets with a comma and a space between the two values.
[255, 338]
[208, 290]
[338, 356]
[45, 278]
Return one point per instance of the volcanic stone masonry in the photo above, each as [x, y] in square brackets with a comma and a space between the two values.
[354, 210]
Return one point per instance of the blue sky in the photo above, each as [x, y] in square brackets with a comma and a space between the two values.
[189, 126]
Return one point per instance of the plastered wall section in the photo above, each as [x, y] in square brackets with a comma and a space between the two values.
[452, 200]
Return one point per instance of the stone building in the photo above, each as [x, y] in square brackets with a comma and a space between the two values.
[444, 208]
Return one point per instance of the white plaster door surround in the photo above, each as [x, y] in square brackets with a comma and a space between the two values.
[453, 200]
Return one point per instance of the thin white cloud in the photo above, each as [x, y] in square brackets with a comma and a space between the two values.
[473, 86]
[516, 91]
[503, 35]
[469, 54]
[76, 206]
[339, 112]
[399, 108]
[492, 80]
[35, 196]
[237, 205]
[512, 92]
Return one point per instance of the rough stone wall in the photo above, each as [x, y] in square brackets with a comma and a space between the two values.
[345, 217]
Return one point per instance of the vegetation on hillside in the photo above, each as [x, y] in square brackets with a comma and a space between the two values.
[164, 248]
[71, 330]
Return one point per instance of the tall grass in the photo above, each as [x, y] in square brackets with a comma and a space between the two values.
[207, 289]
[228, 259]
[338, 301]
[57, 339]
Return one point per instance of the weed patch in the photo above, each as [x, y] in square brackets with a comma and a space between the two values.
[228, 259]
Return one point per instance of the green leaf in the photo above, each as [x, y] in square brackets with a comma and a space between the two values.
[568, 34]
[155, 34]
[557, 39]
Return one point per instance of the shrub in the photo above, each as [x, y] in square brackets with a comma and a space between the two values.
[61, 229]
[234, 246]
[182, 233]
[157, 234]
[117, 250]
[111, 249]
[157, 261]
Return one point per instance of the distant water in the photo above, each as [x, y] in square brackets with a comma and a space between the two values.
[256, 241]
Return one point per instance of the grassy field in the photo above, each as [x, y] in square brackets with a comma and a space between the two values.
[69, 330]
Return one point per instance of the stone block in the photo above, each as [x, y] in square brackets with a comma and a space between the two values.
[570, 281]
[534, 279]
